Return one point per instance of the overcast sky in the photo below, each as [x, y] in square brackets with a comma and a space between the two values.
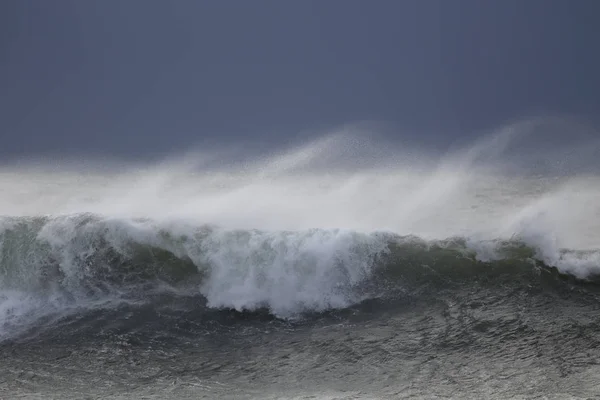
[132, 78]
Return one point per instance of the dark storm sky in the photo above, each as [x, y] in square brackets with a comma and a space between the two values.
[132, 78]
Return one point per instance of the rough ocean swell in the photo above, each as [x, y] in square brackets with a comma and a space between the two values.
[57, 264]
[309, 239]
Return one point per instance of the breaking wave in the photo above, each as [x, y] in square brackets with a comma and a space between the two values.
[322, 227]
[69, 263]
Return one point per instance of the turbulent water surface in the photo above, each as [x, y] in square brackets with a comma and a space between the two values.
[336, 270]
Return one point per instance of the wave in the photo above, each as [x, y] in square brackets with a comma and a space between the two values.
[57, 265]
[323, 226]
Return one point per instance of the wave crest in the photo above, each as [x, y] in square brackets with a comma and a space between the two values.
[75, 261]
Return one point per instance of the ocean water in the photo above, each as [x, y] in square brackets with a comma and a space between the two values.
[341, 269]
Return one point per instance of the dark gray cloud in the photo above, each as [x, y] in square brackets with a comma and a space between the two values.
[133, 78]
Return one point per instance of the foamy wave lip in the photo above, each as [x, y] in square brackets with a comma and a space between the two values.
[287, 272]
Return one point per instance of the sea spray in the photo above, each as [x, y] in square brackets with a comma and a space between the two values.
[304, 230]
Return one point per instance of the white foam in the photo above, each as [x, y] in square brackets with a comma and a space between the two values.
[287, 272]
